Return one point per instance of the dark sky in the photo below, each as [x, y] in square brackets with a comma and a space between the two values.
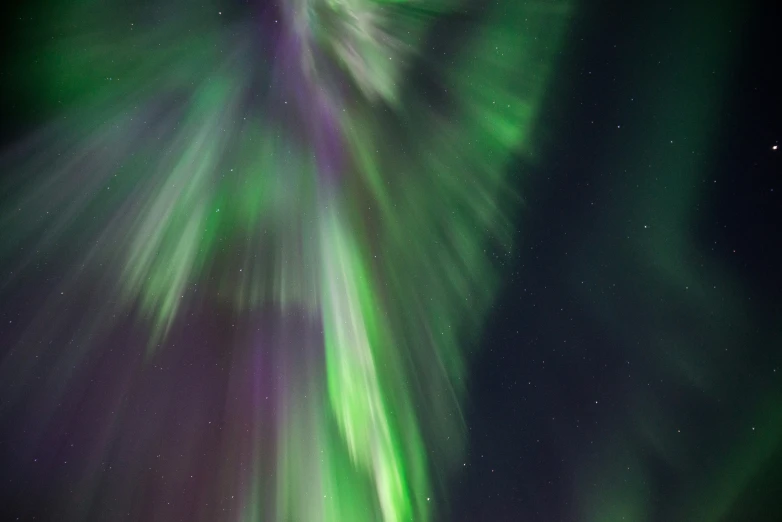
[630, 368]
[603, 390]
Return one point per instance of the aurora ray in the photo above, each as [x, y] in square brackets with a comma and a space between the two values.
[307, 172]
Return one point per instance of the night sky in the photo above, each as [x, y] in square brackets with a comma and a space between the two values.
[606, 389]
[374, 260]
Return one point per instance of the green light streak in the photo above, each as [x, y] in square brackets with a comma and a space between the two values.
[342, 195]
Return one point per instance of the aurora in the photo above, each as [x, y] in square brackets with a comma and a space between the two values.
[276, 224]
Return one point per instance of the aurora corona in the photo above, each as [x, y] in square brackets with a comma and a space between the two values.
[292, 206]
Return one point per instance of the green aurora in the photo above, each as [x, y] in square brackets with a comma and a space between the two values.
[329, 182]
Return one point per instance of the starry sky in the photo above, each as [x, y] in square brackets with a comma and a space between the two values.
[630, 368]
[390, 260]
